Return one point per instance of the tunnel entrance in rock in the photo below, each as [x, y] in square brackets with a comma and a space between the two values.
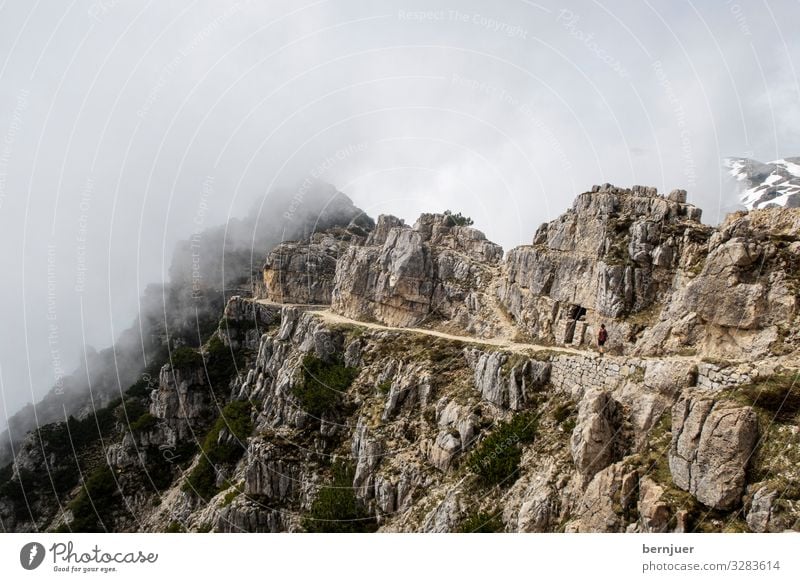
[575, 312]
[574, 325]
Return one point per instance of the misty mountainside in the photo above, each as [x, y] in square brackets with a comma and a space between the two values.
[205, 270]
[415, 378]
[772, 184]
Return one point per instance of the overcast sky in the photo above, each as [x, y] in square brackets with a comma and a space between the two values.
[125, 125]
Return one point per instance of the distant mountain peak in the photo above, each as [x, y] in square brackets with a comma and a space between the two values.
[767, 184]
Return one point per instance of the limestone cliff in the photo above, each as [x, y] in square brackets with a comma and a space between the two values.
[433, 272]
[435, 387]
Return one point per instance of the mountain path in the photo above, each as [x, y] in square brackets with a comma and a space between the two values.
[517, 347]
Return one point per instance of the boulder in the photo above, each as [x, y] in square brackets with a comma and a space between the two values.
[593, 440]
[712, 442]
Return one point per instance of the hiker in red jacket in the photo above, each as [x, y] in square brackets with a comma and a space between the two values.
[602, 337]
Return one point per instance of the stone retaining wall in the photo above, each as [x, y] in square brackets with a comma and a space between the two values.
[577, 373]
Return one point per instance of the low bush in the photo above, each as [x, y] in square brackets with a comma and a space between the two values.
[336, 508]
[144, 423]
[61, 438]
[235, 418]
[93, 507]
[130, 410]
[496, 459]
[185, 357]
[322, 385]
[175, 527]
[159, 469]
[481, 522]
[457, 219]
[221, 362]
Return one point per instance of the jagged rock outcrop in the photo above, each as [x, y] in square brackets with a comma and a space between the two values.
[712, 443]
[245, 321]
[458, 428]
[303, 272]
[647, 400]
[597, 509]
[271, 472]
[409, 384]
[247, 516]
[405, 276]
[367, 452]
[446, 515]
[540, 502]
[612, 255]
[741, 301]
[182, 401]
[506, 380]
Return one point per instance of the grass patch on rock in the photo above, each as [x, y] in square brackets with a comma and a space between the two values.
[778, 396]
[481, 522]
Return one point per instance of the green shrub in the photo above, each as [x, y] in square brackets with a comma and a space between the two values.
[458, 219]
[175, 527]
[230, 496]
[185, 357]
[202, 481]
[385, 386]
[336, 508]
[140, 389]
[16, 491]
[92, 508]
[6, 473]
[130, 410]
[60, 438]
[481, 523]
[235, 418]
[322, 385]
[159, 470]
[496, 459]
[144, 423]
[221, 362]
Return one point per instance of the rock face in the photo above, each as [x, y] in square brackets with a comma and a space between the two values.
[181, 400]
[245, 321]
[654, 513]
[506, 381]
[641, 263]
[405, 276]
[611, 256]
[593, 442]
[712, 442]
[303, 272]
[596, 509]
[743, 302]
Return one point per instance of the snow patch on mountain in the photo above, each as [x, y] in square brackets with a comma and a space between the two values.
[767, 184]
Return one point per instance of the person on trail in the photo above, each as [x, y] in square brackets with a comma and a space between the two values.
[602, 338]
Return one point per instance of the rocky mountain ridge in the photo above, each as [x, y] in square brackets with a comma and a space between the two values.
[363, 389]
